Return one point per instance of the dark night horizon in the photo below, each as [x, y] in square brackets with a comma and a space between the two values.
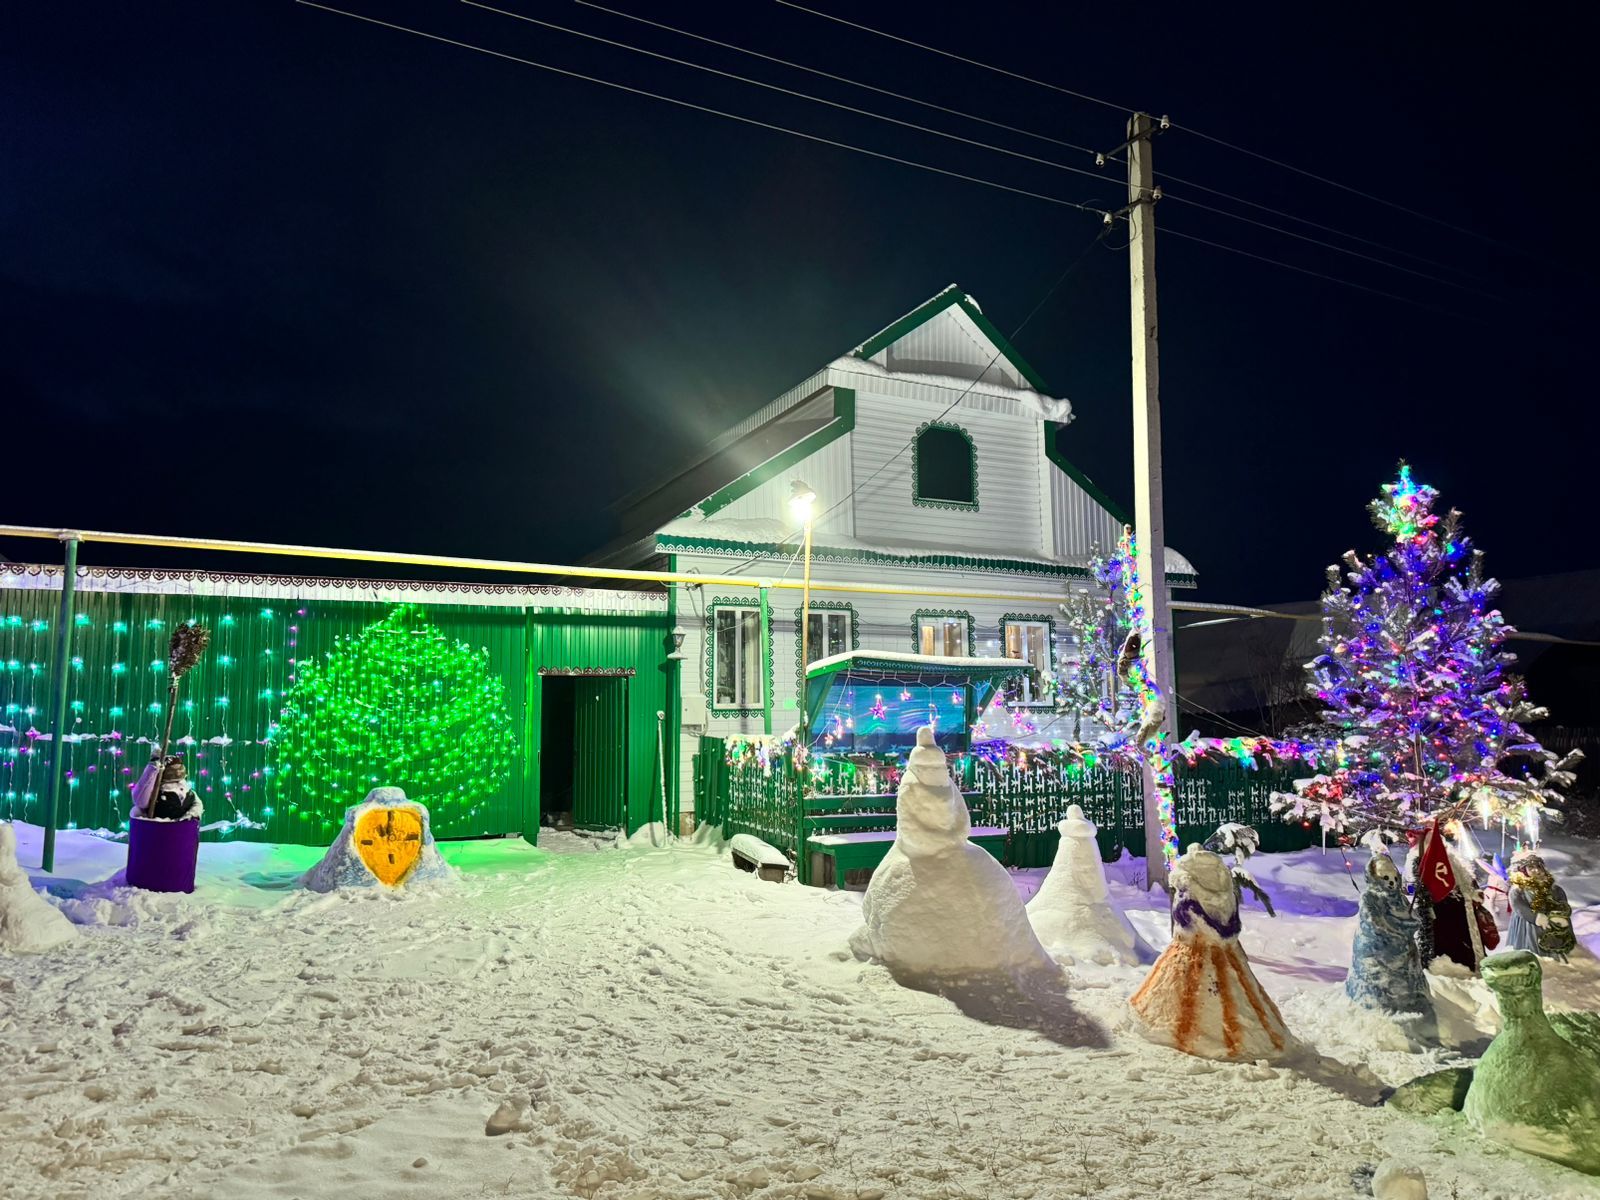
[272, 274]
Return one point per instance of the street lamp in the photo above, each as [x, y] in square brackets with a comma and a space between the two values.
[802, 503]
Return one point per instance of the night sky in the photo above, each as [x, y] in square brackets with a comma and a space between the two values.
[273, 274]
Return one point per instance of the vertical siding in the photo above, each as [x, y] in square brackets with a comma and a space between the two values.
[229, 703]
[609, 642]
[1008, 516]
[1080, 523]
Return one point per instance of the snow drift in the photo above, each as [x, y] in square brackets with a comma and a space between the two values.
[28, 923]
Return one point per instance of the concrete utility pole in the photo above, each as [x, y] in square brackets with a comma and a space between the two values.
[1149, 527]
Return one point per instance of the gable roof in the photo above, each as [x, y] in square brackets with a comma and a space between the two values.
[951, 298]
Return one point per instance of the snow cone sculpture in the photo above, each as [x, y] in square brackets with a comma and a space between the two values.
[1535, 1088]
[1071, 914]
[1385, 966]
[28, 924]
[939, 909]
[1201, 996]
[386, 841]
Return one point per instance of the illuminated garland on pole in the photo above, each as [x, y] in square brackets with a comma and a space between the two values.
[398, 704]
[1135, 664]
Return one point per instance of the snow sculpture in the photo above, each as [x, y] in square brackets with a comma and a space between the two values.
[1536, 1089]
[938, 908]
[1201, 996]
[1541, 915]
[1385, 967]
[28, 924]
[1072, 914]
[386, 841]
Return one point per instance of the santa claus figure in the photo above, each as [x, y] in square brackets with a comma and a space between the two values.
[1201, 996]
[1452, 921]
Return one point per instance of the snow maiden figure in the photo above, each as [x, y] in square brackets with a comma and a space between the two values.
[1201, 996]
[164, 826]
[1385, 967]
[1541, 916]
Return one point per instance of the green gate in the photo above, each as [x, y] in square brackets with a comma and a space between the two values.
[600, 756]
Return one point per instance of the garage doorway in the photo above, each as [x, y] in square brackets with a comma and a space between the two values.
[583, 759]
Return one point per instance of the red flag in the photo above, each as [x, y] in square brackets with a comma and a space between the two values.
[1435, 865]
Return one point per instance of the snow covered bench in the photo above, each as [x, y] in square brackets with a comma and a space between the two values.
[844, 834]
[750, 853]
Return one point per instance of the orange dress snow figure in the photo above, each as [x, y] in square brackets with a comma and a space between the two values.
[1201, 996]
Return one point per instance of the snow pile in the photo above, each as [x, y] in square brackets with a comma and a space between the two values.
[1201, 996]
[28, 924]
[342, 866]
[1072, 914]
[1398, 1181]
[939, 908]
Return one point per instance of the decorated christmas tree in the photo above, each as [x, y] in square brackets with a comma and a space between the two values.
[1092, 690]
[1418, 685]
[400, 704]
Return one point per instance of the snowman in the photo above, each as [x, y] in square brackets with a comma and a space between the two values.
[940, 910]
[1201, 996]
[28, 924]
[1072, 913]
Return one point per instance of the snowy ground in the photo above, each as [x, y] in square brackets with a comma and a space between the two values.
[653, 1023]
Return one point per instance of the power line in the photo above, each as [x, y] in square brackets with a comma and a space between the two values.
[1189, 237]
[894, 37]
[1126, 108]
[954, 112]
[965, 392]
[1326, 245]
[1098, 176]
[1334, 183]
[716, 112]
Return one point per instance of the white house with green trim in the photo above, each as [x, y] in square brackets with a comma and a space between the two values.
[932, 451]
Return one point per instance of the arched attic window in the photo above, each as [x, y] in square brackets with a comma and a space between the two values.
[944, 467]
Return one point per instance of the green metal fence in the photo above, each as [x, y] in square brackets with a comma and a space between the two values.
[233, 704]
[747, 797]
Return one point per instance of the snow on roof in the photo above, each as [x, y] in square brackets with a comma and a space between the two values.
[1034, 404]
[930, 662]
[767, 531]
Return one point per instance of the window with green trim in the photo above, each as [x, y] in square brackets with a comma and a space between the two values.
[944, 635]
[944, 467]
[737, 679]
[827, 633]
[1029, 638]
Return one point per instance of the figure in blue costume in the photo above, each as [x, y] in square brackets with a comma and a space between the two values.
[1541, 915]
[1385, 967]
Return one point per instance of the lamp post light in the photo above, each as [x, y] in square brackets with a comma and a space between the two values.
[802, 503]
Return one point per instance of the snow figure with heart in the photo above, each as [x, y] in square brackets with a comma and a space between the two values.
[939, 909]
[1201, 996]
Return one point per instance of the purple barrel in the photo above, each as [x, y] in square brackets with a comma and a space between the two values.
[162, 854]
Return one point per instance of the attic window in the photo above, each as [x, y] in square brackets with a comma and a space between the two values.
[944, 467]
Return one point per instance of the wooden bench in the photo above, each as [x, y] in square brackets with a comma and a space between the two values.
[750, 853]
[847, 835]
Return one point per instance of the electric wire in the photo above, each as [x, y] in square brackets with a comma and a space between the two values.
[1333, 183]
[1098, 176]
[1181, 199]
[1168, 231]
[703, 108]
[882, 91]
[1128, 108]
[894, 37]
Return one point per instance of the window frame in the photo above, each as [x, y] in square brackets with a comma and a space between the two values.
[917, 497]
[762, 671]
[1019, 620]
[826, 608]
[943, 614]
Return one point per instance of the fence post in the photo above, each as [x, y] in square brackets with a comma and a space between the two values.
[57, 781]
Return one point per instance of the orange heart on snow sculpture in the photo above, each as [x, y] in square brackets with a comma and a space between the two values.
[389, 841]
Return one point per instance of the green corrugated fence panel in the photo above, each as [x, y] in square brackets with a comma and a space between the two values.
[230, 704]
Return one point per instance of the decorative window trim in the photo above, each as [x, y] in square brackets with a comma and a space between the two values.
[916, 468]
[936, 613]
[1050, 642]
[826, 606]
[743, 710]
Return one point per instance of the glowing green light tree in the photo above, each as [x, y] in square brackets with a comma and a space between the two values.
[399, 704]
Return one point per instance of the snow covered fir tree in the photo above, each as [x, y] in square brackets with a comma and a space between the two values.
[1427, 714]
[1092, 690]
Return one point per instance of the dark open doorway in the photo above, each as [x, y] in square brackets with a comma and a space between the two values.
[583, 768]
